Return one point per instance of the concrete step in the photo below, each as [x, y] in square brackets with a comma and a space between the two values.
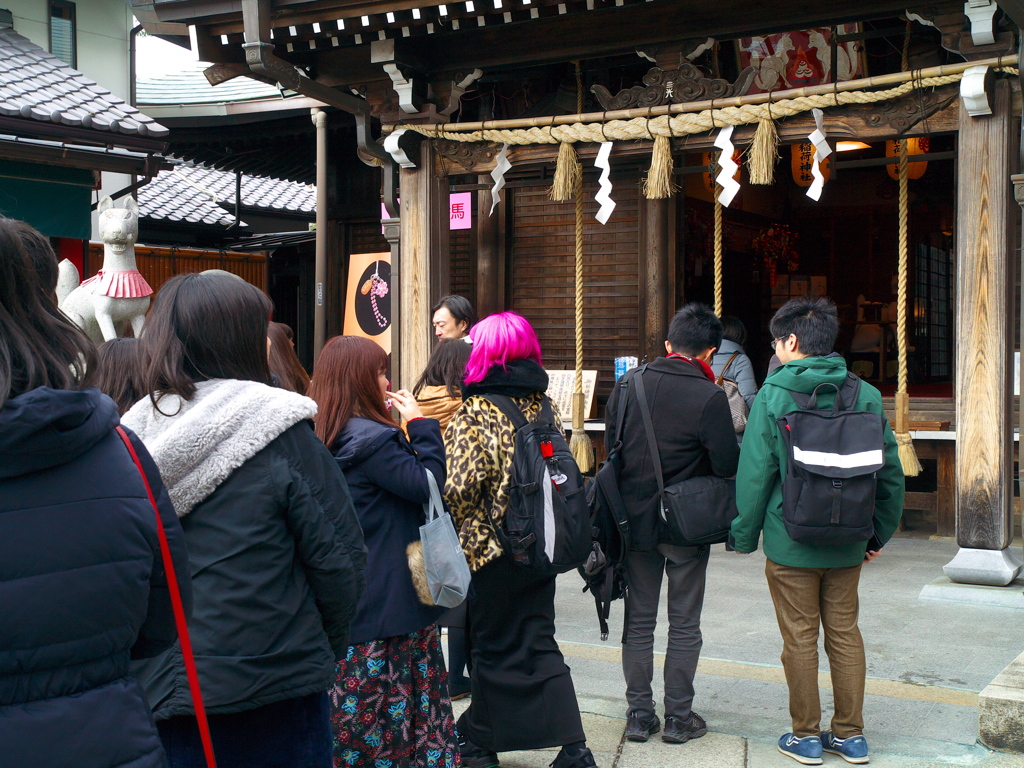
[1001, 709]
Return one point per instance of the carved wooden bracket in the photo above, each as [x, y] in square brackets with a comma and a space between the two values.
[675, 86]
[467, 154]
[904, 113]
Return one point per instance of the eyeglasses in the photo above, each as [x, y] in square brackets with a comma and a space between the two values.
[773, 342]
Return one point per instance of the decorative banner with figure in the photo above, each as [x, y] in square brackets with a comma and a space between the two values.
[368, 299]
[800, 58]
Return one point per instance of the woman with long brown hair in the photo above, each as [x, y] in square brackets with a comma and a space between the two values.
[120, 373]
[390, 702]
[284, 363]
[439, 388]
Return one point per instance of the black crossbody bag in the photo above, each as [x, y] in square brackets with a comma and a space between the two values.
[697, 511]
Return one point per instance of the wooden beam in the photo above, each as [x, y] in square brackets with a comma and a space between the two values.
[581, 33]
[939, 113]
[984, 312]
[1014, 9]
[424, 243]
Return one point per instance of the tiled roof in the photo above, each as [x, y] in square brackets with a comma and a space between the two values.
[36, 85]
[205, 196]
[190, 86]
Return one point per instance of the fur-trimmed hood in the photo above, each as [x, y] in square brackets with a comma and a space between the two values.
[225, 424]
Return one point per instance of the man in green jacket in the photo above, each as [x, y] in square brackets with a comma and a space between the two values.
[811, 585]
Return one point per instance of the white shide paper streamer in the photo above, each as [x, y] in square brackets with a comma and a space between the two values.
[728, 167]
[821, 151]
[604, 194]
[498, 174]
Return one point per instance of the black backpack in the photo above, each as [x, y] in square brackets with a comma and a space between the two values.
[828, 493]
[547, 525]
[605, 569]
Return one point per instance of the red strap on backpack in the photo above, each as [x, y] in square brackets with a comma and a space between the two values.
[179, 611]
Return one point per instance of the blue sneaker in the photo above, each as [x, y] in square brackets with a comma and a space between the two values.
[806, 750]
[852, 750]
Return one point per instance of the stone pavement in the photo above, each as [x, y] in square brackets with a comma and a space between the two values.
[927, 661]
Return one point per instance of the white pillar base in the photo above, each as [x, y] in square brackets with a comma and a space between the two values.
[991, 567]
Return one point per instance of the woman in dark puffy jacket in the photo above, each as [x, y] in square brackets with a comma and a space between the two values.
[82, 583]
[275, 549]
[390, 701]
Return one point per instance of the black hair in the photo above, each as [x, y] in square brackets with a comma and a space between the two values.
[39, 345]
[446, 367]
[694, 329]
[208, 326]
[121, 372]
[814, 322]
[460, 308]
[734, 330]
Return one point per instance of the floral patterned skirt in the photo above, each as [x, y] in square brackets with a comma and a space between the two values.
[390, 705]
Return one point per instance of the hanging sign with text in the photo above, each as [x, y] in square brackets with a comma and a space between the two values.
[561, 385]
[460, 211]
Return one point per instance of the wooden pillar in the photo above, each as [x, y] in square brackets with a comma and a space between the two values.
[984, 312]
[490, 252]
[657, 272]
[424, 235]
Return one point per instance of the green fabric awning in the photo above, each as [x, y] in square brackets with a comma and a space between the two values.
[56, 201]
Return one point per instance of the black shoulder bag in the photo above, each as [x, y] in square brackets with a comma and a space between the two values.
[697, 511]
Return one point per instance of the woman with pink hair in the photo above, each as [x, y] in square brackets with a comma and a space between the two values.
[523, 696]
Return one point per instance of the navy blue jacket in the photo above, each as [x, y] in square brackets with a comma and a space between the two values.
[82, 585]
[389, 487]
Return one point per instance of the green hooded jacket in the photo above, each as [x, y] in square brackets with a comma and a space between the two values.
[763, 462]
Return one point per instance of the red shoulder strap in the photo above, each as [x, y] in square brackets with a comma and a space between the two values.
[179, 610]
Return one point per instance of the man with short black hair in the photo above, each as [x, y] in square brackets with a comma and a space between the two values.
[812, 584]
[695, 438]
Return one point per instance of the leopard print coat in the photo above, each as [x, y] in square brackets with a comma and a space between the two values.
[480, 440]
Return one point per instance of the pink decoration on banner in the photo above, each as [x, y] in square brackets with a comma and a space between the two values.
[460, 211]
[121, 284]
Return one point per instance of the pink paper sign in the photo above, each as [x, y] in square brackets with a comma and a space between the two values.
[460, 211]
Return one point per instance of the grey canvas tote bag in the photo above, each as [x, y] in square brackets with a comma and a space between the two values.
[443, 559]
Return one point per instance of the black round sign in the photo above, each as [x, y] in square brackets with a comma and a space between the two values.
[373, 299]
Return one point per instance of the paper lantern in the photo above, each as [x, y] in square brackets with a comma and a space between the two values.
[707, 158]
[802, 160]
[916, 146]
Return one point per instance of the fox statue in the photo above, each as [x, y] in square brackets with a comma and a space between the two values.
[118, 292]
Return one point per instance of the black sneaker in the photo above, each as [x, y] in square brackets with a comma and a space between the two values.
[475, 757]
[583, 759]
[681, 731]
[640, 729]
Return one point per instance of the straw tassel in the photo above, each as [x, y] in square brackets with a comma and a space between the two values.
[659, 183]
[763, 153]
[579, 443]
[568, 173]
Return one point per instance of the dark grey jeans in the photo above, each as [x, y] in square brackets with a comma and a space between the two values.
[686, 568]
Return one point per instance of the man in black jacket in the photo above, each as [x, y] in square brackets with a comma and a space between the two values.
[695, 437]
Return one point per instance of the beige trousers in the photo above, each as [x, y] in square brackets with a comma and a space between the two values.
[805, 598]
